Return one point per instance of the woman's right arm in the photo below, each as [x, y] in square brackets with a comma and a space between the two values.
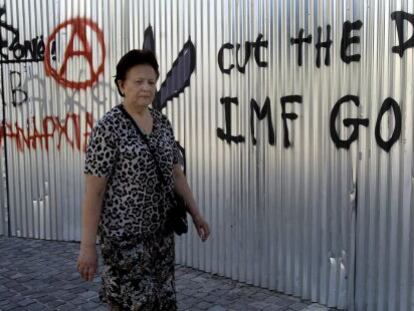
[91, 212]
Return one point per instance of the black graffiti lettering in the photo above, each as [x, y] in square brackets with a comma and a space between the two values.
[257, 45]
[226, 135]
[18, 95]
[388, 104]
[399, 17]
[3, 25]
[31, 47]
[347, 40]
[226, 46]
[3, 45]
[28, 51]
[149, 40]
[265, 112]
[53, 49]
[40, 47]
[291, 116]
[261, 114]
[35, 47]
[248, 46]
[300, 40]
[326, 45]
[19, 51]
[247, 50]
[347, 122]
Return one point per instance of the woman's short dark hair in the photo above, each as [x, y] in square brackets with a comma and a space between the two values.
[131, 59]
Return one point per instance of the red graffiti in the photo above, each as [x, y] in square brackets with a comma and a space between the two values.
[68, 131]
[79, 26]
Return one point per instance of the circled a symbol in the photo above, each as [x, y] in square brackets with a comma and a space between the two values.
[79, 26]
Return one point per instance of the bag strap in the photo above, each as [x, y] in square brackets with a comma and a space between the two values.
[145, 139]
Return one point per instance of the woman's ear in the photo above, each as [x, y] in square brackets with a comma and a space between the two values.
[120, 84]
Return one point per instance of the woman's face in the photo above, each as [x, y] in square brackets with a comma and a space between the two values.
[139, 85]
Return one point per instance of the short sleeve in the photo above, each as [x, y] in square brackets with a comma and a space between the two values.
[176, 147]
[101, 152]
[176, 153]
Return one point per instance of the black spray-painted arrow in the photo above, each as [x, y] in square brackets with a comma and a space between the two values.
[177, 79]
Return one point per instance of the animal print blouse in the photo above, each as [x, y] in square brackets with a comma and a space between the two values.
[135, 202]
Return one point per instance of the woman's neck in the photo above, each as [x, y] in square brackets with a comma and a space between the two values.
[136, 110]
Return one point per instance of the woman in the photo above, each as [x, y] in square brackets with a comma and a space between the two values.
[125, 200]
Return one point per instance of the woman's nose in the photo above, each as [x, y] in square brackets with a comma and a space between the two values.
[147, 86]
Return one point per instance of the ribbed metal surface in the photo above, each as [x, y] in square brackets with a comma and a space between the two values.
[3, 191]
[330, 225]
[45, 173]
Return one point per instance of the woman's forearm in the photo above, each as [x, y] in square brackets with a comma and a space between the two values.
[182, 187]
[92, 207]
[91, 213]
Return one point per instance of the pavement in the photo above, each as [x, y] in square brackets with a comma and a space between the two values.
[41, 275]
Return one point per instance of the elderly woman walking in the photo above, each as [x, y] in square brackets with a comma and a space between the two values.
[131, 168]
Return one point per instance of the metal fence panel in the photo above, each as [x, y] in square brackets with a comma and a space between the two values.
[264, 117]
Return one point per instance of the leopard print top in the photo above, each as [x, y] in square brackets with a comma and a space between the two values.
[135, 201]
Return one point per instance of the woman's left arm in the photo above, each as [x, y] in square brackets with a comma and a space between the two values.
[182, 187]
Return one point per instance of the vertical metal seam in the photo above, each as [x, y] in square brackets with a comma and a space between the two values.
[3, 124]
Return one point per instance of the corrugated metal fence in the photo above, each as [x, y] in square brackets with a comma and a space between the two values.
[296, 118]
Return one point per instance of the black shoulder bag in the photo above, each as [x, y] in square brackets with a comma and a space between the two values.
[177, 214]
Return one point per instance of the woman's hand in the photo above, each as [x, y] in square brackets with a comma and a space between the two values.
[87, 262]
[202, 227]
